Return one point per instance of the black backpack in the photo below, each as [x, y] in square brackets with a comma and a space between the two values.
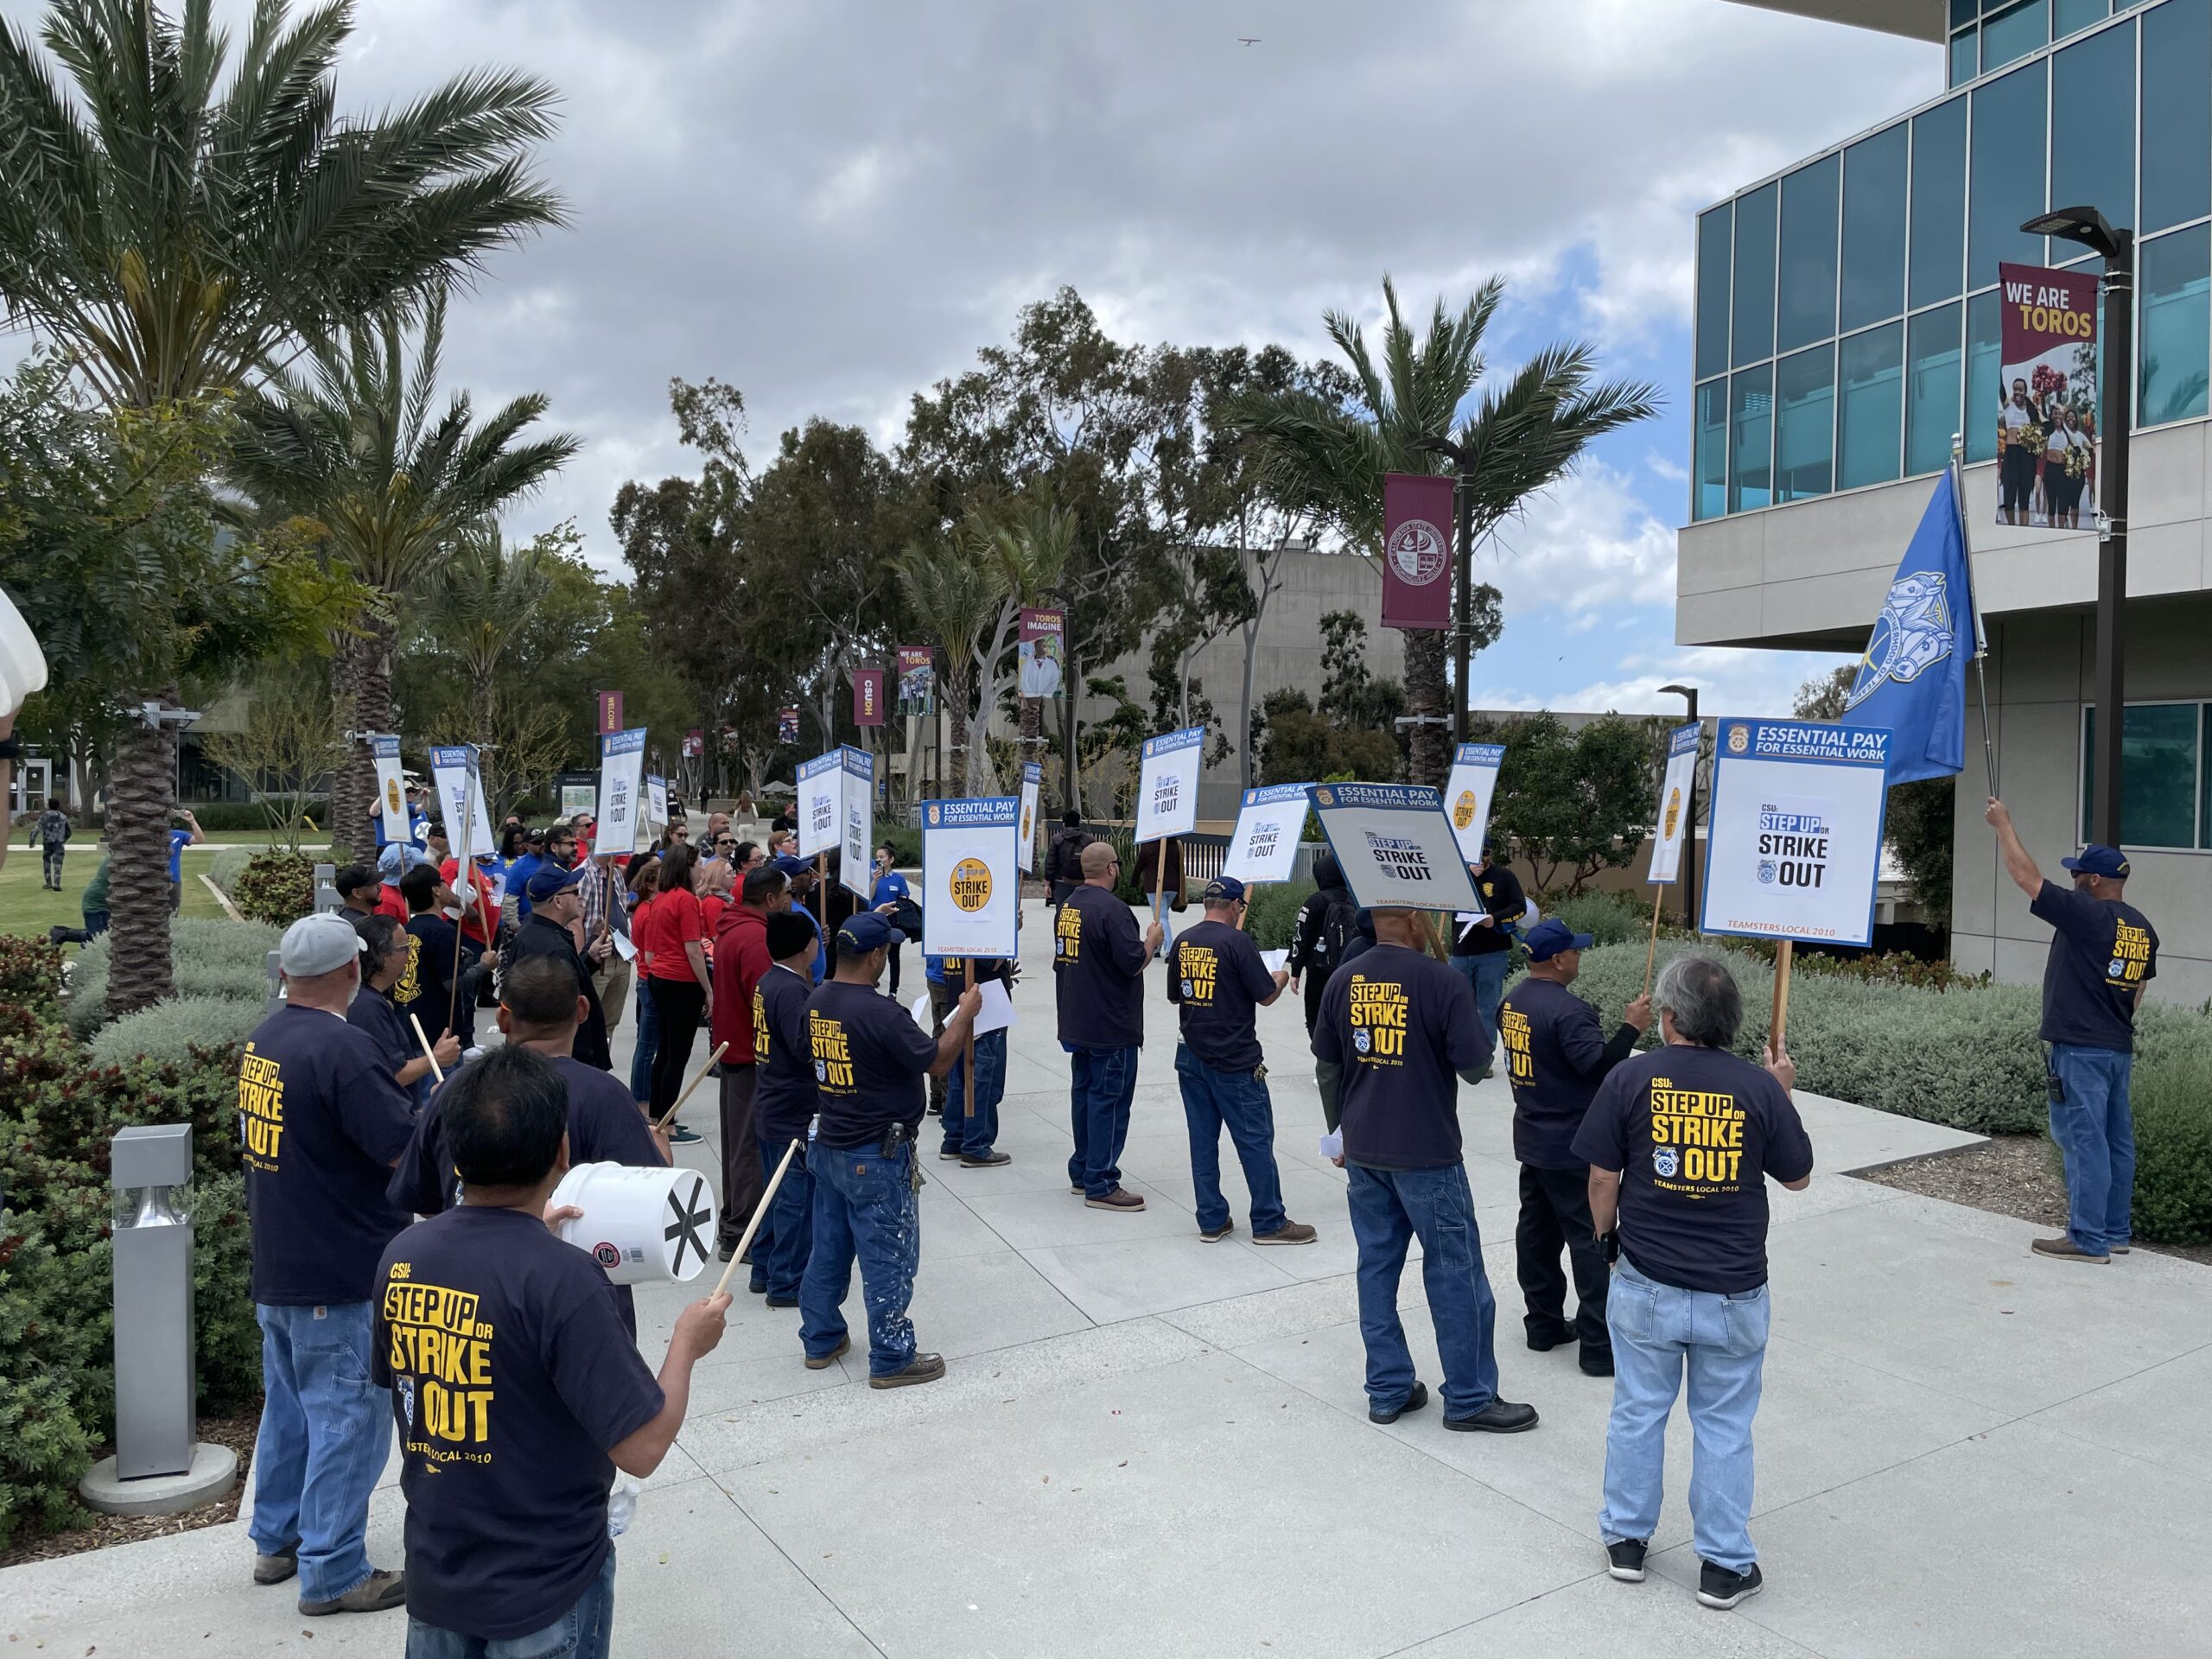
[1340, 923]
[1067, 854]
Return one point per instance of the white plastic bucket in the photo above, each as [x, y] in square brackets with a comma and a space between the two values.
[644, 1226]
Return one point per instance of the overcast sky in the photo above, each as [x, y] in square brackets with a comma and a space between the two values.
[832, 204]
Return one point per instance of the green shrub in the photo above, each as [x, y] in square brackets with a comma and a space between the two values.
[252, 815]
[172, 1030]
[2172, 1100]
[275, 887]
[31, 974]
[224, 868]
[209, 955]
[1608, 918]
[1272, 916]
[85, 1008]
[905, 842]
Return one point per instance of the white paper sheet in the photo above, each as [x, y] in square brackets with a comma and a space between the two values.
[628, 951]
[997, 1011]
[1271, 960]
[919, 1007]
[1333, 1144]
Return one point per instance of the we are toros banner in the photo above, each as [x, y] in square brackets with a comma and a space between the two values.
[1269, 823]
[1032, 783]
[392, 796]
[1671, 825]
[460, 793]
[970, 877]
[1469, 792]
[1167, 784]
[1416, 550]
[917, 682]
[856, 813]
[2047, 418]
[1793, 840]
[621, 778]
[1396, 845]
[821, 802]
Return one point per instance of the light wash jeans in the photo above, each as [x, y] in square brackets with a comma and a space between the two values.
[865, 1210]
[1389, 1209]
[2094, 1127]
[1486, 972]
[1660, 1331]
[325, 1430]
[585, 1631]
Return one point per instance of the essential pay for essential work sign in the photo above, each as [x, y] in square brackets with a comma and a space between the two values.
[971, 879]
[821, 802]
[1264, 847]
[1396, 846]
[1468, 793]
[1167, 784]
[1672, 822]
[461, 791]
[1033, 785]
[856, 816]
[622, 782]
[1794, 841]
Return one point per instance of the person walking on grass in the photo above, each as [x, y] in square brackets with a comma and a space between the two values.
[52, 834]
[1680, 1142]
[1098, 963]
[2104, 954]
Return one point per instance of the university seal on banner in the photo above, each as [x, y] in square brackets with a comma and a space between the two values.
[1911, 635]
[1417, 551]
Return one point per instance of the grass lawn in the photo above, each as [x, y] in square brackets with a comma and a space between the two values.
[86, 838]
[26, 909]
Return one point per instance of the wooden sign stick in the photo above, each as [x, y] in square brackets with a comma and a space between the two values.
[1652, 951]
[745, 1240]
[436, 1070]
[1782, 951]
[720, 1049]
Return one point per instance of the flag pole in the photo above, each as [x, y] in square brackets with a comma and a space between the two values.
[1973, 605]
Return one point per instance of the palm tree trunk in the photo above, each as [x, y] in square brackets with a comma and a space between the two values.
[141, 792]
[957, 692]
[361, 676]
[1426, 694]
[483, 690]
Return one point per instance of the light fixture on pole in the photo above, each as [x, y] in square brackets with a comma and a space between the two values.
[1689, 815]
[2091, 230]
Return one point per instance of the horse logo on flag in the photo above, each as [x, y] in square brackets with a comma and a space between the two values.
[1911, 635]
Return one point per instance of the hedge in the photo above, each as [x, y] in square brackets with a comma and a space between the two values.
[173, 1029]
[2172, 1100]
[223, 869]
[208, 957]
[1271, 917]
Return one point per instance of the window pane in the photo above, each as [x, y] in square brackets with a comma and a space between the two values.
[2068, 15]
[2007, 174]
[2176, 114]
[2204, 790]
[1804, 444]
[1965, 55]
[2158, 774]
[2093, 140]
[1709, 495]
[1712, 238]
[1870, 414]
[1808, 256]
[1964, 12]
[1873, 229]
[1753, 302]
[2175, 350]
[1750, 438]
[1939, 201]
[2013, 33]
[1984, 378]
[1932, 390]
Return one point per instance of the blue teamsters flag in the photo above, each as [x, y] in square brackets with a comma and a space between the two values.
[1912, 676]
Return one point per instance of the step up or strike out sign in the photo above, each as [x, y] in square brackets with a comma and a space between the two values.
[1793, 840]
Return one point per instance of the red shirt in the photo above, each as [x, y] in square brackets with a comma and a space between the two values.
[711, 907]
[389, 903]
[676, 922]
[641, 924]
[741, 958]
[481, 920]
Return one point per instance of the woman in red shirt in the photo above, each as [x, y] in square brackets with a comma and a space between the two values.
[645, 884]
[682, 990]
[717, 880]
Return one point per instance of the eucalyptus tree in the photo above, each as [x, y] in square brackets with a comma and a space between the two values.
[956, 599]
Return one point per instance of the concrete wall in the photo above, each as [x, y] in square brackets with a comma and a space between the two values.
[2040, 674]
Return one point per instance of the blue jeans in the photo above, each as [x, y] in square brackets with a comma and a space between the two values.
[780, 1248]
[1104, 1081]
[1486, 972]
[1239, 1100]
[1389, 1209]
[971, 1137]
[325, 1429]
[648, 1048]
[1659, 1330]
[585, 1631]
[863, 1206]
[2095, 1130]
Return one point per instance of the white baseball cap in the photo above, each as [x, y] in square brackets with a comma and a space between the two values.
[318, 944]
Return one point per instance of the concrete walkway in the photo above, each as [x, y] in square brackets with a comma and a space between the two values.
[1151, 1445]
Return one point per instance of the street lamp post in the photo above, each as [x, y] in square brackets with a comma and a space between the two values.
[2091, 230]
[1689, 814]
[1463, 571]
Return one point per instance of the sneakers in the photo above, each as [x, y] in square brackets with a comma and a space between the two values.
[382, 1590]
[947, 1154]
[1718, 1588]
[1215, 1235]
[1075, 1187]
[275, 1569]
[824, 1362]
[680, 1136]
[988, 1161]
[1499, 1417]
[1544, 1344]
[1120, 1199]
[783, 1301]
[1625, 1560]
[923, 1368]
[1415, 1399]
[1290, 1232]
[1597, 1361]
[2064, 1249]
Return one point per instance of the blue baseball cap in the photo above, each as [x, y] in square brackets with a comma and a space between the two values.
[792, 867]
[867, 932]
[548, 880]
[2097, 859]
[1223, 890]
[1547, 939]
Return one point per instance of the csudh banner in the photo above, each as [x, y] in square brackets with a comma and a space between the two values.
[917, 682]
[867, 696]
[2047, 405]
[1416, 550]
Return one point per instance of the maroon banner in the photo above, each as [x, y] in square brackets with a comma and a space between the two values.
[867, 696]
[1416, 550]
[610, 712]
[2047, 403]
[695, 743]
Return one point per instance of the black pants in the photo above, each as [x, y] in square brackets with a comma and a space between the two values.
[1555, 1212]
[50, 858]
[894, 970]
[681, 1004]
[2016, 478]
[941, 1005]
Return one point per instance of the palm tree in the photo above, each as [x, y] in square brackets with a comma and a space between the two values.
[354, 446]
[955, 598]
[1028, 542]
[484, 600]
[1522, 434]
[176, 233]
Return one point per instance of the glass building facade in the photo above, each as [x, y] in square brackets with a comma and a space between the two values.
[1846, 311]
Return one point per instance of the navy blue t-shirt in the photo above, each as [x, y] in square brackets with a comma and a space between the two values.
[1098, 959]
[511, 1377]
[783, 1059]
[1694, 1132]
[1402, 1026]
[869, 1061]
[1556, 1055]
[372, 1012]
[2101, 953]
[430, 950]
[1215, 980]
[321, 1120]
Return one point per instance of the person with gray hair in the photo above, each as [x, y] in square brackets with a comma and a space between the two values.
[1680, 1142]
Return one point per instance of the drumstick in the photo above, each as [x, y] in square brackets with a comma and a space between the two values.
[720, 1050]
[760, 1213]
[436, 1070]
